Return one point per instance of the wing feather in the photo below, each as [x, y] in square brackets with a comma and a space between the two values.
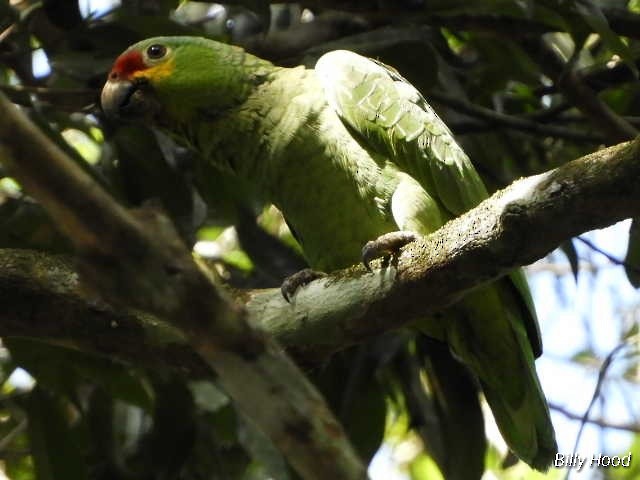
[395, 120]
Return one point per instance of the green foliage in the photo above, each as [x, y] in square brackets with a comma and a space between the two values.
[569, 249]
[55, 445]
[64, 369]
[424, 468]
[634, 468]
[632, 260]
[592, 15]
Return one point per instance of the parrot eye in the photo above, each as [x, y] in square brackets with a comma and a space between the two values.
[156, 51]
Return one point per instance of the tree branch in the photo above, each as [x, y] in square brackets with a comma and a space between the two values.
[34, 284]
[578, 93]
[633, 427]
[136, 259]
[513, 122]
[514, 227]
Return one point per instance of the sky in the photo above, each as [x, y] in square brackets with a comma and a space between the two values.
[589, 316]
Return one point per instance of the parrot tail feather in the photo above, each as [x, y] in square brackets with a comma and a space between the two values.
[526, 428]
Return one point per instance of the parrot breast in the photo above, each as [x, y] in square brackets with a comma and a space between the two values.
[289, 142]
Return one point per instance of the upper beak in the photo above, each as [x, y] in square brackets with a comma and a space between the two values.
[122, 98]
[116, 96]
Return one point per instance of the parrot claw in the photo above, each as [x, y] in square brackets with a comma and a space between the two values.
[292, 283]
[387, 245]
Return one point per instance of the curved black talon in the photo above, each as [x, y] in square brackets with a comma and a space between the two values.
[387, 245]
[292, 283]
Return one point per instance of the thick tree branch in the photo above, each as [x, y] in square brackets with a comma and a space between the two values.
[42, 297]
[136, 259]
[514, 227]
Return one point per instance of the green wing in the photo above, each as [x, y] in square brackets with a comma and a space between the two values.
[393, 118]
[494, 329]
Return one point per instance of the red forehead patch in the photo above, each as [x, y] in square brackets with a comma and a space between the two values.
[127, 64]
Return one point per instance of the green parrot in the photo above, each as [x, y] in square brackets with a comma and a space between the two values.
[349, 152]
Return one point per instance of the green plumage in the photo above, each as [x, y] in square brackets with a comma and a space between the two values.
[350, 151]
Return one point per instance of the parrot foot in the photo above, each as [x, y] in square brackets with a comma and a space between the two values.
[292, 283]
[387, 245]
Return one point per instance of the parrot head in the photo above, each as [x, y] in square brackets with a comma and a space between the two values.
[171, 79]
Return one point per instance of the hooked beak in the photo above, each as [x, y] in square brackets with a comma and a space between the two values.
[126, 99]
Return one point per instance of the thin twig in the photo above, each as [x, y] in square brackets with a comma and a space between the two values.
[513, 122]
[13, 433]
[596, 393]
[629, 427]
[607, 255]
[578, 93]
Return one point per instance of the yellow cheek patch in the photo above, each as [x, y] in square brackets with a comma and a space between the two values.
[157, 72]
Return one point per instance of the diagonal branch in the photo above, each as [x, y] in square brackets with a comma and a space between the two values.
[578, 93]
[514, 122]
[512, 228]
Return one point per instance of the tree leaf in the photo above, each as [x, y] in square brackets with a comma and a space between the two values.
[569, 249]
[424, 467]
[55, 447]
[632, 259]
[64, 369]
[593, 16]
